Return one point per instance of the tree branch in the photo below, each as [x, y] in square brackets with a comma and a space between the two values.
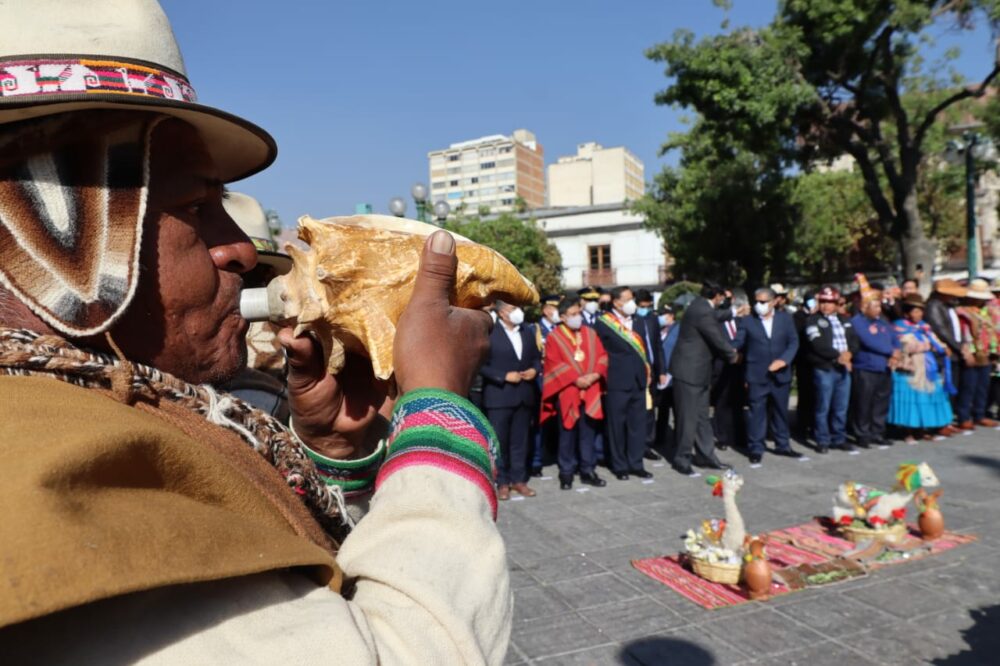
[883, 209]
[965, 93]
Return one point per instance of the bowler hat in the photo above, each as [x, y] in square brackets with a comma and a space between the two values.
[980, 290]
[58, 56]
[913, 301]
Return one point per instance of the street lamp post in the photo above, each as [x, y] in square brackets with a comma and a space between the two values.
[397, 206]
[419, 192]
[969, 150]
[441, 209]
[972, 250]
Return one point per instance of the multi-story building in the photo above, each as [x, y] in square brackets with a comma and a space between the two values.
[596, 176]
[492, 172]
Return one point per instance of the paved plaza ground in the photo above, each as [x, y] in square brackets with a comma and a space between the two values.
[577, 599]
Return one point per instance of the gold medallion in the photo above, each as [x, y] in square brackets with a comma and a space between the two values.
[578, 356]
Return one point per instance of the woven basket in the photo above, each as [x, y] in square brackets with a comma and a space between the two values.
[717, 572]
[891, 534]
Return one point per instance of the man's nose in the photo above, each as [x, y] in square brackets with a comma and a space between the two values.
[236, 256]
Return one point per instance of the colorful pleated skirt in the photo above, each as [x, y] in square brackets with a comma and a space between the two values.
[913, 408]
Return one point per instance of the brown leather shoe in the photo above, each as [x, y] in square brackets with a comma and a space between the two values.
[966, 425]
[948, 431]
[987, 423]
[523, 489]
[503, 493]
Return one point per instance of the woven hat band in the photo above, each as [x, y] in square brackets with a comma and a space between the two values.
[42, 78]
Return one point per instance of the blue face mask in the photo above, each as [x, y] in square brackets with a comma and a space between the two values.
[663, 320]
[642, 312]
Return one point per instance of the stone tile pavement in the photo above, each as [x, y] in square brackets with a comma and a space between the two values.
[577, 599]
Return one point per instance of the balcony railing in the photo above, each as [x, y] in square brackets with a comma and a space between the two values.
[604, 277]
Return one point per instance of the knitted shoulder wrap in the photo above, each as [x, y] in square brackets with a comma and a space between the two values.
[24, 352]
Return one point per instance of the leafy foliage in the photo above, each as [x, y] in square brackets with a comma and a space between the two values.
[671, 293]
[824, 79]
[521, 242]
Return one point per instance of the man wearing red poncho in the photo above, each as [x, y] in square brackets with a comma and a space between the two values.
[575, 371]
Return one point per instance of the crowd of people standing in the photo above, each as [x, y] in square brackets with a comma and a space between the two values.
[605, 378]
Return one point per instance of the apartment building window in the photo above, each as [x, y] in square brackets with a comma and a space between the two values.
[507, 162]
[474, 179]
[438, 185]
[506, 149]
[507, 202]
[453, 158]
[600, 257]
[452, 183]
[487, 165]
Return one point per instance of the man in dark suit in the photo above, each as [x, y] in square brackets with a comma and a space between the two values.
[623, 335]
[510, 396]
[769, 341]
[654, 355]
[700, 339]
[544, 437]
[589, 303]
[942, 316]
[727, 395]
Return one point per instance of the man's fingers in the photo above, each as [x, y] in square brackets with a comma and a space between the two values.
[436, 277]
[305, 355]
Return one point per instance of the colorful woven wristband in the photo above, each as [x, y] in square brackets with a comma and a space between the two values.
[436, 428]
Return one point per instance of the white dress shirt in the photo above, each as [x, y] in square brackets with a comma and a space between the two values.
[768, 324]
[956, 325]
[514, 335]
[626, 321]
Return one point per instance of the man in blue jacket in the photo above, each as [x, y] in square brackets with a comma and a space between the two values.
[769, 341]
[871, 384]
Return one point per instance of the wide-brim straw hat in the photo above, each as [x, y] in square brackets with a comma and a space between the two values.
[58, 56]
[950, 287]
[979, 289]
[252, 219]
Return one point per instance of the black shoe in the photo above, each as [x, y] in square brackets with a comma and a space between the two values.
[847, 448]
[565, 483]
[536, 472]
[719, 446]
[822, 450]
[685, 470]
[711, 463]
[788, 453]
[862, 445]
[650, 454]
[593, 480]
[755, 458]
[642, 474]
[621, 476]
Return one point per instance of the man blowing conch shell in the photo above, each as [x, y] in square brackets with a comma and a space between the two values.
[146, 516]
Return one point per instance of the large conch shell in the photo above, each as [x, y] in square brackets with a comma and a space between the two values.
[353, 283]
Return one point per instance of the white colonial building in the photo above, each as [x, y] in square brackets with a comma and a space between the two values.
[604, 245]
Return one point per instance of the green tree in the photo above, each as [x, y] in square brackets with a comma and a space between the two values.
[830, 77]
[521, 242]
[723, 212]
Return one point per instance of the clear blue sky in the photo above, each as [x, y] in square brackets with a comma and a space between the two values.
[357, 92]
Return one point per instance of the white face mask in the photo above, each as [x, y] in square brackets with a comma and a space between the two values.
[516, 316]
[762, 308]
[590, 307]
[629, 308]
[554, 319]
[575, 322]
[493, 316]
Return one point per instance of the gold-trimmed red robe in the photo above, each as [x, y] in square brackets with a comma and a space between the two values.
[563, 366]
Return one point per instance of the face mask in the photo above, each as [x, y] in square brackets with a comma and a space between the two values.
[590, 307]
[725, 304]
[493, 316]
[629, 308]
[762, 308]
[811, 304]
[575, 322]
[642, 312]
[516, 316]
[554, 319]
[605, 306]
[663, 320]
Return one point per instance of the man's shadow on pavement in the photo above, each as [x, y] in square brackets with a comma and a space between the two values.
[983, 638]
[654, 651]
